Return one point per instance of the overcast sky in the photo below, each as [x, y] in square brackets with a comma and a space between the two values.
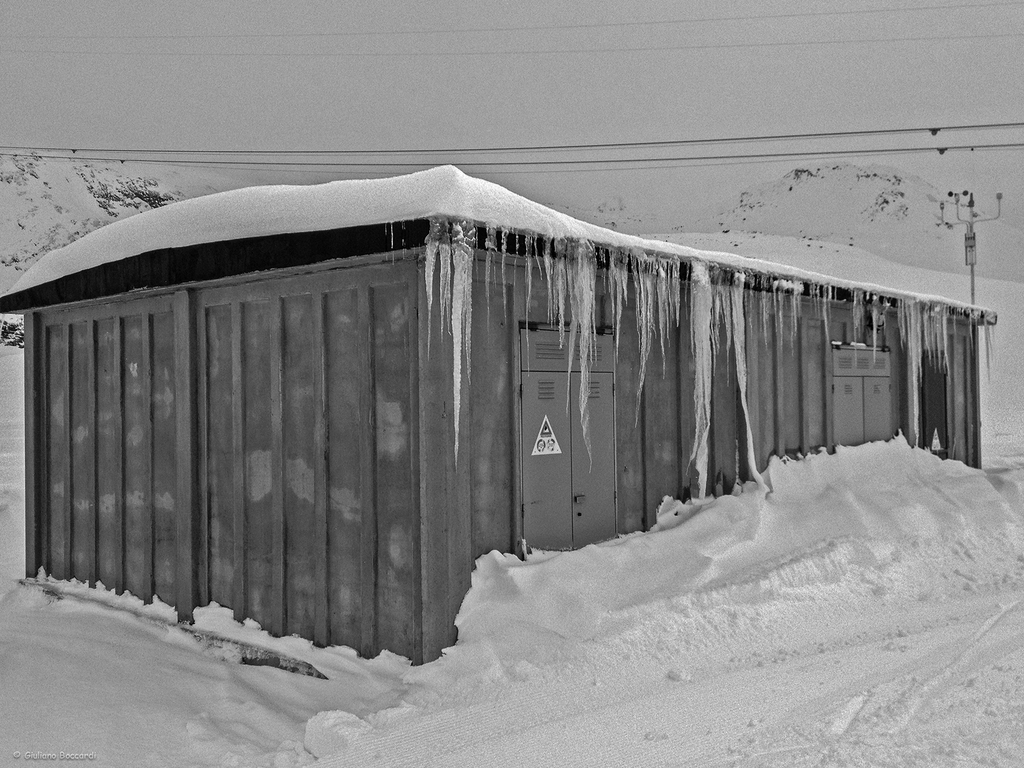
[394, 76]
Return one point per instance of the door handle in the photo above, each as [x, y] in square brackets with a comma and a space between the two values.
[577, 498]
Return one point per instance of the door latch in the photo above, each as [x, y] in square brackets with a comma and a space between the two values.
[579, 497]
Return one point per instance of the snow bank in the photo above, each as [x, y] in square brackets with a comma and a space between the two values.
[887, 497]
[876, 527]
[12, 467]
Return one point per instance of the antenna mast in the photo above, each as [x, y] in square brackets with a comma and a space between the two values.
[970, 240]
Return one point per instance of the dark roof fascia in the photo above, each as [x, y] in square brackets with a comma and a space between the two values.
[167, 267]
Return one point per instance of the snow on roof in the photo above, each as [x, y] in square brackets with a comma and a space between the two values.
[444, 191]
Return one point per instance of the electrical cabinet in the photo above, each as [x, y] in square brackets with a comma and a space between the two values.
[568, 486]
[861, 396]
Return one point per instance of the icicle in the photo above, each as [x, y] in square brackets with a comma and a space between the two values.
[909, 314]
[675, 291]
[429, 260]
[446, 275]
[582, 270]
[560, 289]
[549, 266]
[490, 246]
[662, 288]
[780, 329]
[766, 314]
[504, 285]
[828, 291]
[643, 279]
[874, 328]
[531, 245]
[461, 316]
[988, 349]
[945, 338]
[702, 339]
[858, 315]
[720, 316]
[797, 290]
[739, 345]
[618, 270]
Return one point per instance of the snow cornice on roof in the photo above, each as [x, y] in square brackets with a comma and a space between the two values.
[442, 193]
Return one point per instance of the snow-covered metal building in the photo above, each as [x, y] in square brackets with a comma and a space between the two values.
[318, 405]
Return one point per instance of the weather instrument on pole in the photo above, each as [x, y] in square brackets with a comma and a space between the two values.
[970, 248]
[970, 239]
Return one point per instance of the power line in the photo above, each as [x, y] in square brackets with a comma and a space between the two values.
[457, 53]
[544, 28]
[562, 166]
[594, 146]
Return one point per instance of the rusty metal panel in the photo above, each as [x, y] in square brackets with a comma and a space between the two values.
[397, 521]
[109, 448]
[491, 433]
[630, 425]
[219, 454]
[258, 446]
[350, 495]
[83, 451]
[57, 496]
[165, 458]
[792, 416]
[298, 425]
[813, 349]
[138, 477]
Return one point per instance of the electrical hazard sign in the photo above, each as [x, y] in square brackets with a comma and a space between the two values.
[546, 443]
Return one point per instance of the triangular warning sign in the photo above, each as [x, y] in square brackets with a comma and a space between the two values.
[936, 444]
[546, 443]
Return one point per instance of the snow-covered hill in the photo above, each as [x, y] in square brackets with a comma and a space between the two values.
[877, 208]
[46, 203]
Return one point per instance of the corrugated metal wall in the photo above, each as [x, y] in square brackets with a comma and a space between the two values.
[308, 414]
[300, 452]
[283, 445]
[105, 438]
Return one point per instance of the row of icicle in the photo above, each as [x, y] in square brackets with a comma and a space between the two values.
[718, 297]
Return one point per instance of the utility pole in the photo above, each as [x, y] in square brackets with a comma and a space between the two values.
[970, 241]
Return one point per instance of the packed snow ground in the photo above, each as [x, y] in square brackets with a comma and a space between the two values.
[868, 612]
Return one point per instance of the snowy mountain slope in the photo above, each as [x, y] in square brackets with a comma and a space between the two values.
[47, 203]
[877, 208]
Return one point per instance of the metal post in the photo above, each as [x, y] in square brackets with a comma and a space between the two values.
[970, 240]
[971, 253]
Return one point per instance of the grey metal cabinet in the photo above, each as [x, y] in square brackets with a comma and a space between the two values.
[568, 490]
[861, 396]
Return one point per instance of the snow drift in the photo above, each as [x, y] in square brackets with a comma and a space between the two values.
[877, 528]
[864, 510]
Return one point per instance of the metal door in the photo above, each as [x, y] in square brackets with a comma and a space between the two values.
[877, 409]
[848, 401]
[593, 473]
[934, 433]
[547, 461]
[568, 492]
